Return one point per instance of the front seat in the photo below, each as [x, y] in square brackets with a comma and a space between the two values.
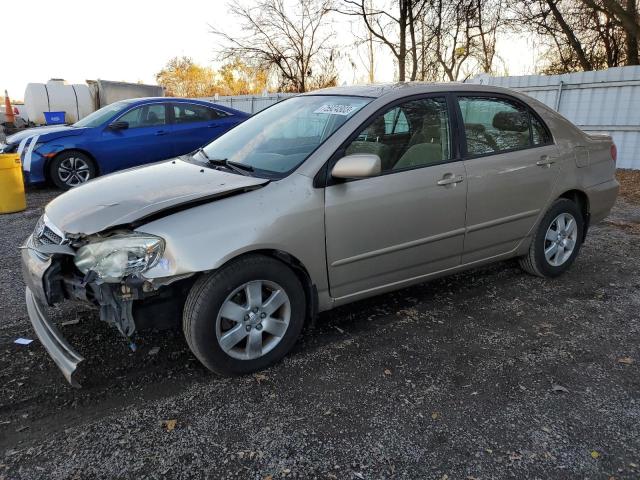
[430, 132]
[425, 146]
[420, 154]
[152, 119]
[371, 143]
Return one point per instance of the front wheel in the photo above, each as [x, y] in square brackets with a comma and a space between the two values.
[245, 316]
[70, 169]
[557, 240]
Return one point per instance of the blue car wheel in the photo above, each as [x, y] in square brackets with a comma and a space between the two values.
[70, 169]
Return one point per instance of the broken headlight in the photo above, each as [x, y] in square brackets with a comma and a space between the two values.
[119, 256]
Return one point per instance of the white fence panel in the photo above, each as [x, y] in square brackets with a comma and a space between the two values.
[606, 101]
[249, 103]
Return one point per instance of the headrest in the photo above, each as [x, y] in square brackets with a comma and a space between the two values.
[430, 119]
[511, 121]
[378, 126]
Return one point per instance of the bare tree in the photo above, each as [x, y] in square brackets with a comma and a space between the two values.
[581, 34]
[290, 37]
[364, 38]
[453, 38]
[487, 19]
[392, 24]
[628, 16]
[371, 67]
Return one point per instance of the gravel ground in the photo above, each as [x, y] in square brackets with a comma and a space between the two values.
[487, 374]
[629, 184]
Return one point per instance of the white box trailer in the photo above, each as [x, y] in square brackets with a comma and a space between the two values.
[79, 100]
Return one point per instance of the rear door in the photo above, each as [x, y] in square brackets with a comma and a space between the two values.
[511, 164]
[195, 125]
[146, 139]
[406, 222]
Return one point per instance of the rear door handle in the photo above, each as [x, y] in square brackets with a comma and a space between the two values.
[161, 132]
[450, 179]
[545, 161]
[213, 125]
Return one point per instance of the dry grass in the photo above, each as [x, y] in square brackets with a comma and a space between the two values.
[629, 184]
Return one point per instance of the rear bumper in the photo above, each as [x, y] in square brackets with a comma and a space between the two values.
[65, 357]
[602, 197]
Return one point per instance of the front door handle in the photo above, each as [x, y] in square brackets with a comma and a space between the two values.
[450, 179]
[213, 125]
[161, 132]
[546, 161]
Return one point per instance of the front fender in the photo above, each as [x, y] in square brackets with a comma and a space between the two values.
[34, 167]
[287, 215]
[35, 162]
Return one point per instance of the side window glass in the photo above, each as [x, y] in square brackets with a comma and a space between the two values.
[395, 122]
[145, 116]
[153, 115]
[541, 135]
[132, 117]
[189, 113]
[493, 125]
[413, 134]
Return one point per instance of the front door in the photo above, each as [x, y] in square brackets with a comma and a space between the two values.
[511, 165]
[147, 139]
[408, 221]
[196, 125]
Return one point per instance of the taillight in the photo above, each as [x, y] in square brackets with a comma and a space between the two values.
[614, 153]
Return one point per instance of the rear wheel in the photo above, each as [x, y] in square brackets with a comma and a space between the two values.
[245, 316]
[70, 169]
[557, 240]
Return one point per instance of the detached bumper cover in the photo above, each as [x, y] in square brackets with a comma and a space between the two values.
[65, 357]
[59, 349]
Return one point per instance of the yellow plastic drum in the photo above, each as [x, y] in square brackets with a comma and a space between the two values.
[12, 198]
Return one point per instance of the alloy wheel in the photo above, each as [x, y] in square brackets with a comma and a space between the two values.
[253, 319]
[560, 239]
[74, 171]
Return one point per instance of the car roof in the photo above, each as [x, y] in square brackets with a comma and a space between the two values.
[406, 88]
[206, 102]
[168, 99]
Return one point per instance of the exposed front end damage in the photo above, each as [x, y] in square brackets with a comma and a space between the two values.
[89, 247]
[130, 304]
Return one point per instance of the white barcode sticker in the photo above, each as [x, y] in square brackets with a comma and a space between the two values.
[336, 109]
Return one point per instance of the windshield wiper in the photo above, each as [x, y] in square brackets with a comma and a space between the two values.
[235, 166]
[202, 152]
[240, 168]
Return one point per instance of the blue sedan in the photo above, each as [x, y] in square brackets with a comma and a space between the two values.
[121, 135]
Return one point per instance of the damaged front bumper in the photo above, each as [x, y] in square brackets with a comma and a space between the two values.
[34, 268]
[131, 305]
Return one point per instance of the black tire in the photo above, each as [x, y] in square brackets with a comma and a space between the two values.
[535, 261]
[65, 179]
[207, 297]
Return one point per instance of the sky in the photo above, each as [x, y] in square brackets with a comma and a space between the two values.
[132, 40]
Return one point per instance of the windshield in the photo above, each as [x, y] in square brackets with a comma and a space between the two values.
[280, 138]
[98, 117]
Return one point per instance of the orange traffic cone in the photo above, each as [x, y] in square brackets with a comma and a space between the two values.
[8, 110]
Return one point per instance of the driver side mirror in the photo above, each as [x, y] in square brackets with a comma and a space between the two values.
[119, 125]
[357, 165]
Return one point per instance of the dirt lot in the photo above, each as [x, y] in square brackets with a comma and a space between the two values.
[487, 374]
[629, 184]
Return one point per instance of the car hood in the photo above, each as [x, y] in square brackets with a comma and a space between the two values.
[51, 132]
[131, 196]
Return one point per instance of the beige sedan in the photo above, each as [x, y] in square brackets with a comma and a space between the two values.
[318, 201]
